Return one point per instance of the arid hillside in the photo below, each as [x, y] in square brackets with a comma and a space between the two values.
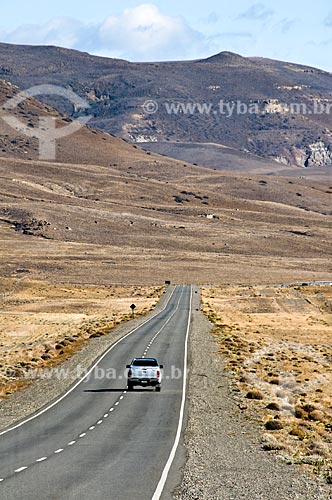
[108, 212]
[150, 221]
[292, 125]
[87, 146]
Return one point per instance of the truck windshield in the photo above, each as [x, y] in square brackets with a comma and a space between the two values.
[145, 362]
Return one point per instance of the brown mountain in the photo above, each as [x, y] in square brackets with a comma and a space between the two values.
[108, 212]
[117, 89]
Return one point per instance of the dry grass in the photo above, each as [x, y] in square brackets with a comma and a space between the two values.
[109, 212]
[42, 324]
[277, 344]
[92, 224]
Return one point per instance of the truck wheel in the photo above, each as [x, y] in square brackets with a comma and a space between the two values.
[158, 388]
[130, 386]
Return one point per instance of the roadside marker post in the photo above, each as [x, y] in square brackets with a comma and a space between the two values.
[133, 307]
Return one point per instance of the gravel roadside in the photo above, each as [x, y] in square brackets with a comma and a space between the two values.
[225, 460]
[43, 391]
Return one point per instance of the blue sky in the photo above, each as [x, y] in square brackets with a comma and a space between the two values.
[298, 31]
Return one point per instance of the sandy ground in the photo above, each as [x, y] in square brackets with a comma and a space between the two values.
[277, 342]
[42, 324]
[147, 222]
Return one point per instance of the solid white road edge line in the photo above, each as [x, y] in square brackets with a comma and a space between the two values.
[162, 481]
[88, 373]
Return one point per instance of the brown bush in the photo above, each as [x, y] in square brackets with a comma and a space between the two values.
[273, 425]
[273, 406]
[316, 415]
[297, 432]
[300, 412]
[45, 356]
[309, 407]
[255, 394]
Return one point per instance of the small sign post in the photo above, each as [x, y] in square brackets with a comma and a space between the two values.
[133, 307]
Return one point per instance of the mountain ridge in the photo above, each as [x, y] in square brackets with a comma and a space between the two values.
[117, 89]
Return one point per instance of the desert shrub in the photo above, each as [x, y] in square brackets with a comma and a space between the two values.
[316, 415]
[300, 412]
[270, 443]
[255, 394]
[273, 425]
[297, 432]
[273, 406]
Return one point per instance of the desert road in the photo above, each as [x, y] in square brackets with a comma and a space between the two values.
[100, 442]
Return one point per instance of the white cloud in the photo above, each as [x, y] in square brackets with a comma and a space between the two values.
[145, 31]
[139, 33]
[257, 12]
[60, 31]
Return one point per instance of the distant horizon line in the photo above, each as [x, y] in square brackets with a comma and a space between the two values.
[213, 56]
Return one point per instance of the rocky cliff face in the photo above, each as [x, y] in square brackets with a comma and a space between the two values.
[318, 154]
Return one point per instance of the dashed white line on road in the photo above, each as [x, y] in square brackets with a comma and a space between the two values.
[121, 397]
[20, 469]
[41, 459]
[59, 450]
[82, 435]
[71, 443]
[111, 409]
[99, 422]
[106, 415]
[116, 404]
[91, 428]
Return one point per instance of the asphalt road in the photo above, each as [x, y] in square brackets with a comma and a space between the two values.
[100, 442]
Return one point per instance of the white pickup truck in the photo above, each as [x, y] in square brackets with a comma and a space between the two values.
[144, 372]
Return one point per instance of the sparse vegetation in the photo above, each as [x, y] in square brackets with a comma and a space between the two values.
[277, 345]
[47, 323]
[255, 394]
